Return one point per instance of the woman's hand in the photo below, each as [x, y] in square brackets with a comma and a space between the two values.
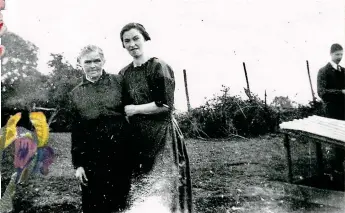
[80, 174]
[131, 110]
[145, 109]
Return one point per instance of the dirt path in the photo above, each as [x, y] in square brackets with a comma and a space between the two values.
[228, 176]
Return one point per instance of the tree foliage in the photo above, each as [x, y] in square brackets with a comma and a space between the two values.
[282, 102]
[22, 84]
[63, 78]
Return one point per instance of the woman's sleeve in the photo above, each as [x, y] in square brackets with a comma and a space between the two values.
[77, 146]
[162, 84]
[76, 136]
[125, 93]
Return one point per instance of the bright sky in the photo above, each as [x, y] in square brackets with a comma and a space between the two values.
[208, 38]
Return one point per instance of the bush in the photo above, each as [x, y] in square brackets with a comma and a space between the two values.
[302, 111]
[226, 116]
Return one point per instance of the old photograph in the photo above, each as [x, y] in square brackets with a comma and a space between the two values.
[172, 106]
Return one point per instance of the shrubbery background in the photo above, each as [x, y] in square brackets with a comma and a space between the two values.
[227, 116]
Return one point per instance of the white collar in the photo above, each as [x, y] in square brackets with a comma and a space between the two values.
[334, 65]
[91, 80]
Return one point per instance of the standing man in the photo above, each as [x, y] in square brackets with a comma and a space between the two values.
[331, 89]
[331, 85]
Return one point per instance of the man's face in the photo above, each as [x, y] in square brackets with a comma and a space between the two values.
[337, 56]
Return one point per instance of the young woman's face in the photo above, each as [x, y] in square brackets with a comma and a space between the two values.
[92, 64]
[133, 41]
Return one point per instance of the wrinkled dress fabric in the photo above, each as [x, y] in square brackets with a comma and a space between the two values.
[160, 161]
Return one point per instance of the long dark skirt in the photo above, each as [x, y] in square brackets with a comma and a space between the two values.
[162, 176]
[104, 148]
[105, 192]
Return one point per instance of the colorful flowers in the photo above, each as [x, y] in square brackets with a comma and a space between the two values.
[31, 153]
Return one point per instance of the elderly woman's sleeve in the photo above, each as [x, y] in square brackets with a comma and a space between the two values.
[327, 94]
[77, 146]
[162, 84]
[76, 136]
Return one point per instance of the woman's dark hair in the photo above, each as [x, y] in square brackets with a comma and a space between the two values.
[137, 26]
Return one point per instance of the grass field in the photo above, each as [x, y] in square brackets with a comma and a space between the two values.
[234, 175]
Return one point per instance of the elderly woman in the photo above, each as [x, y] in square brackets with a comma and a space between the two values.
[99, 136]
[162, 176]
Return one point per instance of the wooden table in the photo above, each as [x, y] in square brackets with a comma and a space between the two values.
[319, 130]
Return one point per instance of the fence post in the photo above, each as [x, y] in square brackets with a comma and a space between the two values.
[247, 91]
[311, 86]
[265, 99]
[186, 89]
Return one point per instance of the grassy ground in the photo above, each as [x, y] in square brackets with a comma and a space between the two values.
[245, 176]
[228, 176]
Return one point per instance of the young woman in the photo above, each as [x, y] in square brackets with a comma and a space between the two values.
[98, 136]
[162, 175]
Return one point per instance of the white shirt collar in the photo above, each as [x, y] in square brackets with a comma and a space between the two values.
[89, 79]
[334, 65]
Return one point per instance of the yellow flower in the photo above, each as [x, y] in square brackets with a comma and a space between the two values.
[38, 119]
[10, 131]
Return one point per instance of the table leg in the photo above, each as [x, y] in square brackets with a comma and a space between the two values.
[319, 159]
[288, 156]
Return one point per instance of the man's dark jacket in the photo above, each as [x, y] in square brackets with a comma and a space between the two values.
[330, 83]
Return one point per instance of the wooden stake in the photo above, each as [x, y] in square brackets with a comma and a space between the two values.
[249, 94]
[319, 159]
[288, 156]
[311, 86]
[186, 88]
[265, 99]
[245, 72]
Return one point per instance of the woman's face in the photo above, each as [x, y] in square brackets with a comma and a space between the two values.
[92, 64]
[133, 41]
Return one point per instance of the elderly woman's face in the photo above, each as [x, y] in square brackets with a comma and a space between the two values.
[92, 64]
[133, 41]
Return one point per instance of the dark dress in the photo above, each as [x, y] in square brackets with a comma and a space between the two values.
[162, 174]
[99, 140]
